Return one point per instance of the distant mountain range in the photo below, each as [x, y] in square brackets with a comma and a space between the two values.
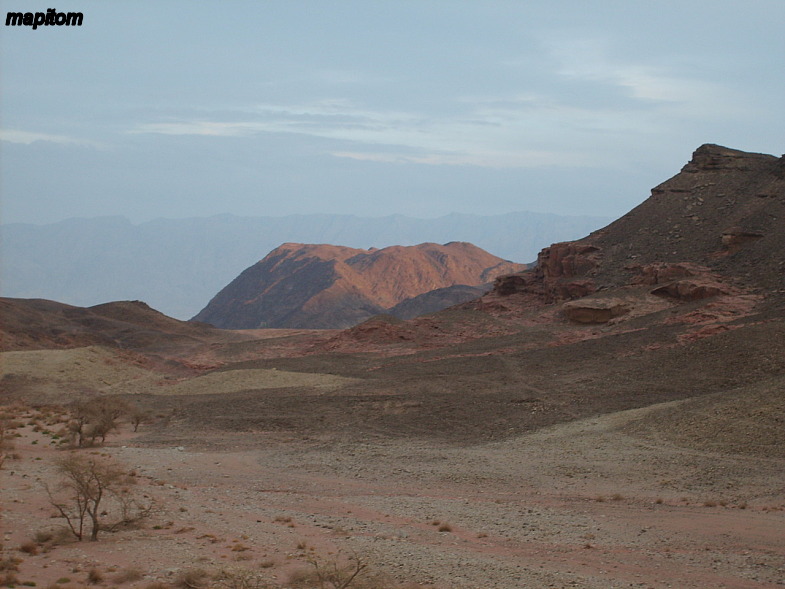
[328, 286]
[178, 265]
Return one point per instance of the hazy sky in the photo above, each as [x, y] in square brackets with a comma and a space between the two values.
[176, 108]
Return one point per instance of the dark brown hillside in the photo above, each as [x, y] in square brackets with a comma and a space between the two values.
[326, 286]
[717, 225]
[38, 324]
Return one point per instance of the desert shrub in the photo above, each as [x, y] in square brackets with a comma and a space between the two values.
[91, 487]
[61, 535]
[94, 576]
[6, 445]
[10, 564]
[239, 579]
[130, 575]
[445, 528]
[330, 574]
[138, 417]
[192, 579]
[30, 548]
[95, 418]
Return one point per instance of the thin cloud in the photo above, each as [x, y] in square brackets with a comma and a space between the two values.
[527, 159]
[493, 133]
[590, 59]
[28, 137]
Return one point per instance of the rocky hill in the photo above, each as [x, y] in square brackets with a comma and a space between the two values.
[714, 229]
[38, 324]
[327, 286]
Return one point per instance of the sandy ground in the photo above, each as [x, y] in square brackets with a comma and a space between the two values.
[94, 368]
[584, 504]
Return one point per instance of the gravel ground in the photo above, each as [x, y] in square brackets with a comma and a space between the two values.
[578, 505]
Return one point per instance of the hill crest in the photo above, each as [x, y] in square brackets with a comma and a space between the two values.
[331, 286]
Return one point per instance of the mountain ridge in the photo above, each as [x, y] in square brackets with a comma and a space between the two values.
[177, 265]
[328, 286]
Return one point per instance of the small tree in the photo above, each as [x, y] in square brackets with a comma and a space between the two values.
[88, 484]
[138, 417]
[95, 418]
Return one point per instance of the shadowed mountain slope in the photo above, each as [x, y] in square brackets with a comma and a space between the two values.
[37, 324]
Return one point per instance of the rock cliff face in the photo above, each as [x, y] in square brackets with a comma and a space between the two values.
[327, 286]
[720, 220]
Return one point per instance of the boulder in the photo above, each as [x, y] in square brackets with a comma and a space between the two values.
[594, 310]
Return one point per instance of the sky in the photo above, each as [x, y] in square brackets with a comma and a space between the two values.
[178, 109]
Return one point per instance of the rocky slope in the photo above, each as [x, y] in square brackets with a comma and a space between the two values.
[703, 255]
[327, 286]
[714, 230]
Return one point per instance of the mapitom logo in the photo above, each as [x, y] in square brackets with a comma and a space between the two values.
[40, 19]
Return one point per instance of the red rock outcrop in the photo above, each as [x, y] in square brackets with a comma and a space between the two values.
[558, 274]
[595, 311]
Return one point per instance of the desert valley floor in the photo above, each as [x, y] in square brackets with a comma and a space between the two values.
[266, 465]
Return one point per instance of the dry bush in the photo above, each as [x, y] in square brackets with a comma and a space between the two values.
[90, 489]
[6, 445]
[130, 575]
[10, 564]
[192, 579]
[61, 535]
[95, 418]
[334, 575]
[94, 576]
[240, 579]
[43, 537]
[138, 417]
[30, 548]
[445, 528]
[9, 579]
